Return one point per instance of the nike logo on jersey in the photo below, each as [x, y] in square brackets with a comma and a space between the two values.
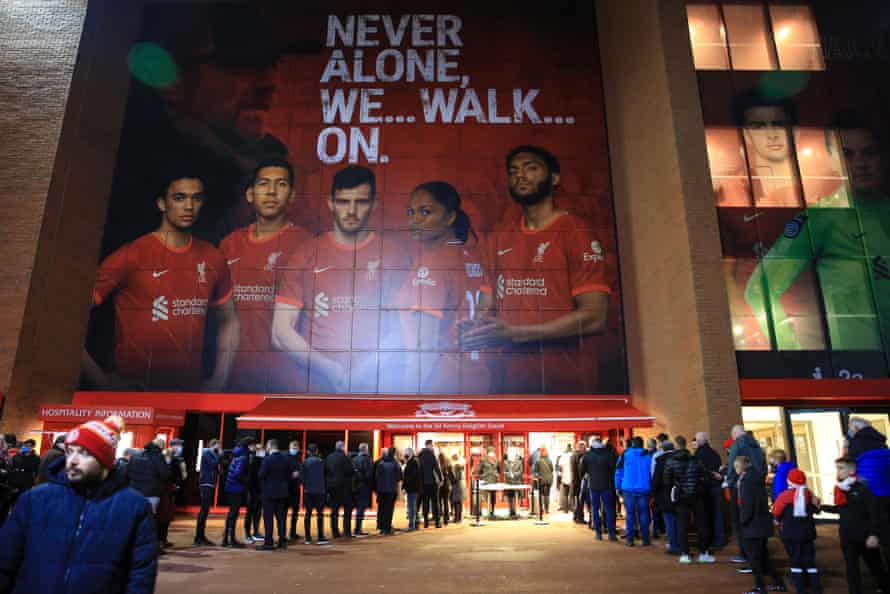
[160, 273]
[320, 270]
[749, 218]
[506, 251]
[232, 261]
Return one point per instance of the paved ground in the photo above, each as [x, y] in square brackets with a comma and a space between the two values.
[503, 556]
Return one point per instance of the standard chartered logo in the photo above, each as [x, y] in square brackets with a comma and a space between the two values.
[534, 286]
[322, 305]
[159, 310]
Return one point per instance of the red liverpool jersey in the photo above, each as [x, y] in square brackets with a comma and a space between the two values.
[340, 289]
[442, 289]
[161, 295]
[537, 275]
[253, 263]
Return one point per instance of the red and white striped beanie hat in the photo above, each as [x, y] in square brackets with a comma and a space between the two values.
[99, 438]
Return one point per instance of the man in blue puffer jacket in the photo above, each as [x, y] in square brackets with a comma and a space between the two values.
[84, 531]
[634, 479]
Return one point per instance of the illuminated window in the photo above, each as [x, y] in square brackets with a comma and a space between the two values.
[753, 36]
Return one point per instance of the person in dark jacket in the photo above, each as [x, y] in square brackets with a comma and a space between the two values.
[387, 474]
[712, 463]
[577, 479]
[445, 488]
[489, 471]
[742, 445]
[860, 526]
[864, 437]
[209, 475]
[24, 468]
[599, 467]
[237, 479]
[83, 530]
[363, 482]
[338, 476]
[55, 452]
[458, 466]
[276, 473]
[412, 485]
[793, 509]
[293, 497]
[313, 478]
[543, 471]
[756, 523]
[661, 495]
[254, 494]
[432, 478]
[687, 478]
[148, 473]
[513, 474]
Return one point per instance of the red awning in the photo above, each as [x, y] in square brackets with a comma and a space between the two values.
[446, 414]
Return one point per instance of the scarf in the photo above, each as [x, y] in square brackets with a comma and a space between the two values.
[840, 490]
[800, 500]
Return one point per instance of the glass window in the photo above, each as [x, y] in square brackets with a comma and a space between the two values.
[821, 168]
[797, 40]
[707, 36]
[767, 423]
[402, 443]
[749, 48]
[747, 308]
[849, 308]
[816, 456]
[771, 162]
[794, 304]
[359, 437]
[726, 158]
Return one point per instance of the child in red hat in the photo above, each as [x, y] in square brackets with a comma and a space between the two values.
[793, 510]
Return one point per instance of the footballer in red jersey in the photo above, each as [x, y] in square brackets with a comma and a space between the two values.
[551, 287]
[443, 290]
[253, 255]
[329, 293]
[163, 284]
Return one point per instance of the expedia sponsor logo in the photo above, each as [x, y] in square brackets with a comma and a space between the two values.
[518, 287]
[254, 293]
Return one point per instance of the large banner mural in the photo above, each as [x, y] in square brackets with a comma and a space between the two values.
[358, 199]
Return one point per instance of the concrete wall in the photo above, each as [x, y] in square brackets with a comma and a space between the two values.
[680, 351]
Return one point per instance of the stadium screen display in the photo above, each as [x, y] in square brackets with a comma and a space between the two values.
[357, 199]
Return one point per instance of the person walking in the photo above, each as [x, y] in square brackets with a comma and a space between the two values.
[543, 471]
[338, 480]
[687, 478]
[445, 488]
[387, 474]
[83, 530]
[211, 459]
[756, 524]
[712, 463]
[276, 472]
[237, 479]
[363, 483]
[293, 497]
[412, 485]
[458, 468]
[635, 479]
[794, 509]
[314, 489]
[599, 468]
[431, 475]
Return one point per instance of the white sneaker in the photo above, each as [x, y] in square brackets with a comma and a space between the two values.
[685, 559]
[706, 558]
[249, 540]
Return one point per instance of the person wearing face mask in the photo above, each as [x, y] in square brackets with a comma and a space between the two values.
[295, 457]
[112, 547]
[211, 459]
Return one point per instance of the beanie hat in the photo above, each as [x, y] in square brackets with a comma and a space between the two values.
[797, 477]
[99, 438]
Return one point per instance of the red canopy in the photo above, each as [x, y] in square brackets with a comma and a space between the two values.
[476, 413]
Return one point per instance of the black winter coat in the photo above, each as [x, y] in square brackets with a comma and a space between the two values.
[866, 439]
[338, 471]
[711, 460]
[413, 482]
[661, 489]
[429, 466]
[313, 475]
[275, 476]
[754, 515]
[861, 516]
[148, 472]
[686, 473]
[23, 473]
[387, 474]
[599, 467]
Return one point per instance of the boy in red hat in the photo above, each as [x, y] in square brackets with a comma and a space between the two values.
[83, 530]
[793, 510]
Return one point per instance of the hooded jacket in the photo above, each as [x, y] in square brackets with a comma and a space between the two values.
[634, 476]
[237, 476]
[148, 472]
[867, 438]
[69, 540]
[747, 446]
